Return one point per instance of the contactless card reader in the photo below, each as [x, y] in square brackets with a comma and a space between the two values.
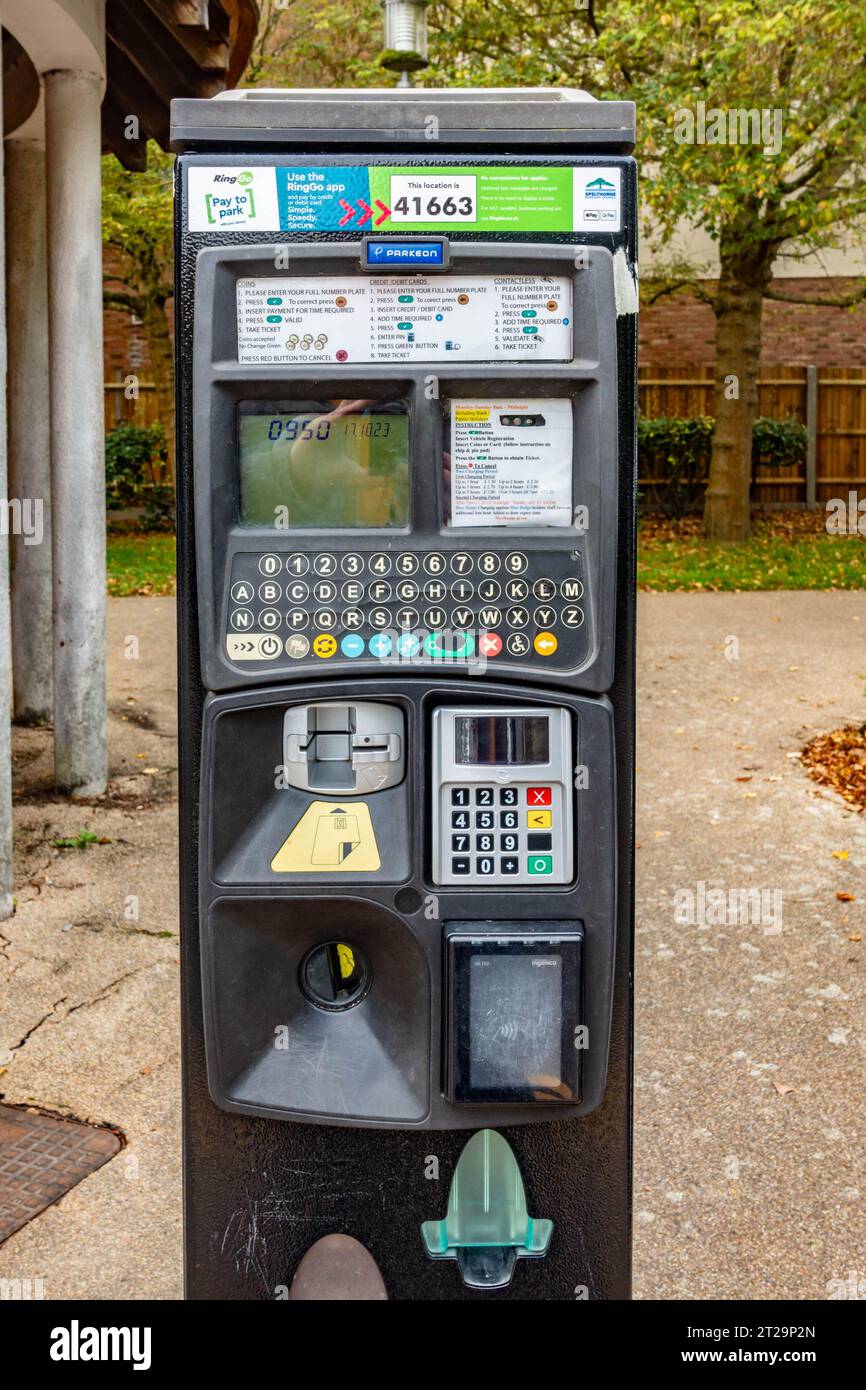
[502, 801]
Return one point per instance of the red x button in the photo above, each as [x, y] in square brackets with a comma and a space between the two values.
[538, 796]
[490, 644]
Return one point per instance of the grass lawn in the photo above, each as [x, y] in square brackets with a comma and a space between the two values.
[140, 562]
[788, 550]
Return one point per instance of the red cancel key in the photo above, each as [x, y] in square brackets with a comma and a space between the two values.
[538, 796]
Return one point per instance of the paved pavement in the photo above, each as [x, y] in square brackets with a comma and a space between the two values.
[750, 1029]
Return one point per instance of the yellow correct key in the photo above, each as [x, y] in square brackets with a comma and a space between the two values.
[325, 645]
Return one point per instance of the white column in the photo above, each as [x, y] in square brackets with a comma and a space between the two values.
[73, 188]
[5, 684]
[29, 445]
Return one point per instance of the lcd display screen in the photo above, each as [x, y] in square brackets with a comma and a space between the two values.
[328, 464]
[515, 1021]
[501, 740]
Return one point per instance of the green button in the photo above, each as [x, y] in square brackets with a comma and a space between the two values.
[540, 864]
[460, 651]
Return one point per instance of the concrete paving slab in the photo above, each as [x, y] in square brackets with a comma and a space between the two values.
[750, 1031]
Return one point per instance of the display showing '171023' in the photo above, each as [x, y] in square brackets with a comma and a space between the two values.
[386, 318]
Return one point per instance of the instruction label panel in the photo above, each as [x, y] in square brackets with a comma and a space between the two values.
[379, 318]
[511, 462]
[387, 198]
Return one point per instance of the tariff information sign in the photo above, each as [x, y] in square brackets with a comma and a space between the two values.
[386, 318]
[511, 463]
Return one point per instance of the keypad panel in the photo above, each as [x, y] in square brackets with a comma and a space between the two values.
[460, 607]
[490, 833]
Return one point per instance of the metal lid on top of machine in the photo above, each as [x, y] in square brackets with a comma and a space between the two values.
[401, 115]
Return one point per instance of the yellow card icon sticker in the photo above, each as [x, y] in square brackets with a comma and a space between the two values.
[331, 837]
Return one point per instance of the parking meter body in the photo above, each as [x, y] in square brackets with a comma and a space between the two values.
[405, 342]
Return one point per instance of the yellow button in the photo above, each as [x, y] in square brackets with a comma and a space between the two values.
[539, 820]
[545, 643]
[325, 645]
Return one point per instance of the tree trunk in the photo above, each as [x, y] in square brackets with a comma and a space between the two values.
[735, 397]
[161, 353]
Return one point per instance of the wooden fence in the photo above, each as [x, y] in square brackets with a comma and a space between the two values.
[124, 409]
[829, 401]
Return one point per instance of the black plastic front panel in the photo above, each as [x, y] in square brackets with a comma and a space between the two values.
[260, 1191]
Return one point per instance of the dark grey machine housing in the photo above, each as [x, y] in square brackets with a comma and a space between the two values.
[264, 1178]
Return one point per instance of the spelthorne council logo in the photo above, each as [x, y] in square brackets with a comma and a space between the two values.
[600, 188]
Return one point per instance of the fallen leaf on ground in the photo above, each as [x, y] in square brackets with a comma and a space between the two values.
[846, 897]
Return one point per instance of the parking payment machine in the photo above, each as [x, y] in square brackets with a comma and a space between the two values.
[406, 358]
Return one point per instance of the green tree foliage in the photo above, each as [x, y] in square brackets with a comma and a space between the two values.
[137, 230]
[798, 189]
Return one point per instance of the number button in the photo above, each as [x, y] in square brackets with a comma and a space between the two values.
[325, 591]
[296, 592]
[380, 565]
[407, 563]
[517, 590]
[484, 843]
[459, 796]
[484, 867]
[484, 796]
[434, 563]
[509, 820]
[517, 617]
[461, 562]
[544, 589]
[508, 843]
[296, 564]
[508, 797]
[351, 564]
[572, 616]
[460, 843]
[515, 563]
[460, 820]
[325, 564]
[484, 820]
[270, 564]
[488, 563]
[489, 590]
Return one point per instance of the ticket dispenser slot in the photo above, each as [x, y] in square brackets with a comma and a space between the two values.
[343, 747]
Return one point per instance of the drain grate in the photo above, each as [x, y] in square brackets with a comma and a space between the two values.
[41, 1158]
